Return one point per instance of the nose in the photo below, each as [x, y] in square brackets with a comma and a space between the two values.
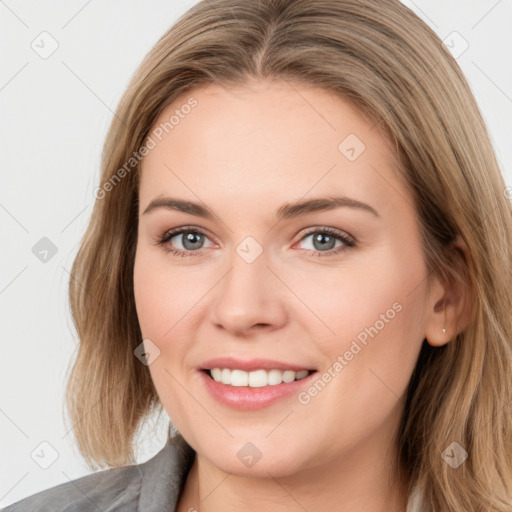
[249, 298]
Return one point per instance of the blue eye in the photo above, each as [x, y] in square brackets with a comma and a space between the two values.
[192, 242]
[326, 238]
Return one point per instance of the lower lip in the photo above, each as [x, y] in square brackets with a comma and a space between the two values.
[247, 398]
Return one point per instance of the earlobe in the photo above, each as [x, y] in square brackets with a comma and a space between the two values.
[452, 311]
[437, 330]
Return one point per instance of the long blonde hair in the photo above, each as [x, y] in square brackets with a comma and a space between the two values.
[380, 56]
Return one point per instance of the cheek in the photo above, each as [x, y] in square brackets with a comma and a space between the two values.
[169, 308]
[161, 294]
[372, 318]
[160, 304]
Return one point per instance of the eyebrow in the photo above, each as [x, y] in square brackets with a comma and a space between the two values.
[286, 211]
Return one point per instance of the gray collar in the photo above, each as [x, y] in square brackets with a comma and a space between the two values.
[164, 476]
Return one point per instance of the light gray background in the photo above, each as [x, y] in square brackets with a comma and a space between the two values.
[54, 117]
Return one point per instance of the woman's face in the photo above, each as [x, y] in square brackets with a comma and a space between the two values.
[259, 285]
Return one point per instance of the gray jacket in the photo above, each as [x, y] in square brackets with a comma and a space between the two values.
[153, 486]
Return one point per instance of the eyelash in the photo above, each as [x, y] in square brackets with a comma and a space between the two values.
[166, 237]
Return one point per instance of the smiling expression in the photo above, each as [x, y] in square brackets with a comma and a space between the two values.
[298, 236]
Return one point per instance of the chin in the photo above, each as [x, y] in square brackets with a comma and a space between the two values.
[258, 458]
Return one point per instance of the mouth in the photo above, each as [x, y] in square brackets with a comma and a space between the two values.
[253, 384]
[257, 378]
[248, 390]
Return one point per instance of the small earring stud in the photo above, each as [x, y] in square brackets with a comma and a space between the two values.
[444, 331]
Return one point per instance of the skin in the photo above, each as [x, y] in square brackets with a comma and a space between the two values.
[337, 451]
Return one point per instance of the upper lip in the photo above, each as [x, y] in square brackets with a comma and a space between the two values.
[251, 364]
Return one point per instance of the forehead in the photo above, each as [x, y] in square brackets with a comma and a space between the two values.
[270, 141]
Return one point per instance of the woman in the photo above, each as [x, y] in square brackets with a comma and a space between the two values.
[299, 250]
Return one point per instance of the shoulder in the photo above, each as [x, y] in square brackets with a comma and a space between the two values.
[90, 492]
[125, 488]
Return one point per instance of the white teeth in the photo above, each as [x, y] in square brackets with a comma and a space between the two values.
[288, 376]
[239, 378]
[225, 377]
[275, 377]
[256, 378]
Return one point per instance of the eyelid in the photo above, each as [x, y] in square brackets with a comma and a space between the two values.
[347, 240]
[171, 233]
[326, 229]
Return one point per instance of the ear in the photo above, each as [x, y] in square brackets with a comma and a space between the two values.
[450, 305]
